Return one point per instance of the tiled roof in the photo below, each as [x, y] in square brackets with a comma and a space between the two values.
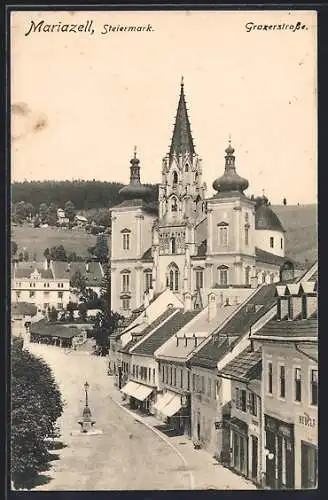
[23, 308]
[269, 258]
[290, 329]
[147, 256]
[164, 332]
[209, 355]
[246, 366]
[24, 270]
[64, 270]
[266, 218]
[43, 328]
[242, 320]
[168, 312]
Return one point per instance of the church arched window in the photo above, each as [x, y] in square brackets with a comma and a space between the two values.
[173, 277]
[174, 205]
[175, 177]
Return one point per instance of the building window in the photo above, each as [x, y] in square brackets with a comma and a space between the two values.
[290, 307]
[166, 374]
[253, 404]
[199, 278]
[281, 243]
[175, 377]
[154, 376]
[60, 295]
[126, 304]
[173, 246]
[237, 398]
[271, 241]
[246, 235]
[125, 282]
[148, 280]
[149, 374]
[298, 384]
[242, 400]
[137, 371]
[163, 373]
[31, 294]
[203, 384]
[209, 388]
[175, 177]
[223, 236]
[174, 205]
[188, 381]
[223, 275]
[60, 306]
[181, 378]
[174, 278]
[270, 377]
[126, 241]
[18, 294]
[186, 167]
[171, 375]
[133, 370]
[282, 381]
[314, 387]
[193, 382]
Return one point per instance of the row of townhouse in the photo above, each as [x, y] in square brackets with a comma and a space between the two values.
[196, 363]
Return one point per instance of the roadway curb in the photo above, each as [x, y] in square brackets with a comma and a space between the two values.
[161, 436]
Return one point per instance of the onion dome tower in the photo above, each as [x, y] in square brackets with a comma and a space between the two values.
[230, 181]
[135, 190]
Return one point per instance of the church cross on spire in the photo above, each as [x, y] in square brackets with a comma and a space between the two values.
[182, 141]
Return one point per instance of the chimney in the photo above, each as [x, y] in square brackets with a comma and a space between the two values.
[282, 307]
[196, 340]
[177, 339]
[254, 282]
[211, 307]
[146, 299]
[187, 302]
[151, 294]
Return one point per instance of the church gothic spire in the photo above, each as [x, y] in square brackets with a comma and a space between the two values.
[182, 141]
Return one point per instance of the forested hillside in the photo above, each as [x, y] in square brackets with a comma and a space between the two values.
[84, 195]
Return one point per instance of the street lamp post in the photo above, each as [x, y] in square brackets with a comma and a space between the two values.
[86, 422]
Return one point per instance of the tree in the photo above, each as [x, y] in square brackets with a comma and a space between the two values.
[20, 211]
[101, 249]
[26, 256]
[105, 324]
[36, 404]
[14, 248]
[73, 257]
[53, 314]
[105, 289]
[70, 210]
[78, 283]
[82, 307]
[71, 307]
[52, 214]
[58, 253]
[20, 256]
[46, 253]
[37, 221]
[43, 213]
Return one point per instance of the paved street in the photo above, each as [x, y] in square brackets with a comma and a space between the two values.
[128, 455]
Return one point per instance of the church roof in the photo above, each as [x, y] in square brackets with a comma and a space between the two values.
[265, 218]
[182, 141]
[147, 256]
[270, 258]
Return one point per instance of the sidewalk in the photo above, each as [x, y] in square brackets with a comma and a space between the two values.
[205, 472]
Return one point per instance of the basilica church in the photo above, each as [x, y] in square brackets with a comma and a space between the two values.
[191, 242]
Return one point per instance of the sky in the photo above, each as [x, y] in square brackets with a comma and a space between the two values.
[81, 102]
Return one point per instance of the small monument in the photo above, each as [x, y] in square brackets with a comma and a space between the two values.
[86, 421]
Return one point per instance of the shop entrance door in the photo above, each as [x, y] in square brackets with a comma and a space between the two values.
[254, 457]
[309, 466]
[270, 464]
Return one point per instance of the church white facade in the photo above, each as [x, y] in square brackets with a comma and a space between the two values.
[191, 242]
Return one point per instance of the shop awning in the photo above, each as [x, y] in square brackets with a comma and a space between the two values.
[143, 392]
[137, 391]
[130, 389]
[162, 400]
[173, 406]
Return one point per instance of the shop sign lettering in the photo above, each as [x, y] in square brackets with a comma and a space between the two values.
[306, 420]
